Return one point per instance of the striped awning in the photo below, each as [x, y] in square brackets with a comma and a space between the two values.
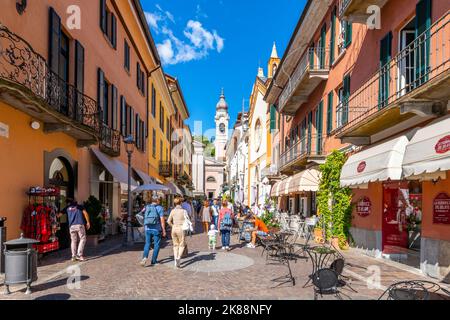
[307, 180]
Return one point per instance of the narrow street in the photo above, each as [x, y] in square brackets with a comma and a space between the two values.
[112, 272]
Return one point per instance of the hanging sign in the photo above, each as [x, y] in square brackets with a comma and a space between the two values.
[441, 209]
[364, 207]
[443, 145]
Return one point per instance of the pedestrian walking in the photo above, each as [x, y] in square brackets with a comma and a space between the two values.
[206, 216]
[215, 212]
[155, 226]
[177, 219]
[225, 225]
[78, 219]
[212, 238]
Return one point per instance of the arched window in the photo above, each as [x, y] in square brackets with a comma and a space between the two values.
[211, 179]
[258, 134]
[274, 69]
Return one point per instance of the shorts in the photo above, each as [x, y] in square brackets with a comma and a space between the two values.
[261, 234]
[212, 242]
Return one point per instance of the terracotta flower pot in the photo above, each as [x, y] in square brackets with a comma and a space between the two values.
[335, 242]
[318, 236]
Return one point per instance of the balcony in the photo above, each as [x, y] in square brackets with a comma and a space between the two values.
[28, 84]
[165, 169]
[356, 10]
[411, 88]
[312, 69]
[306, 150]
[270, 171]
[110, 141]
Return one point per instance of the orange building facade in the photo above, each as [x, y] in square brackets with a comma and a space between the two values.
[375, 86]
[75, 81]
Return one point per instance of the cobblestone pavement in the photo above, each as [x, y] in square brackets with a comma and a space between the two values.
[113, 272]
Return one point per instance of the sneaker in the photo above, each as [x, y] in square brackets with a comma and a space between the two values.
[81, 258]
[224, 248]
[143, 262]
[74, 259]
[252, 246]
[178, 263]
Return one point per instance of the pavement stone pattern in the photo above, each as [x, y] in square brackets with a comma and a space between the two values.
[113, 272]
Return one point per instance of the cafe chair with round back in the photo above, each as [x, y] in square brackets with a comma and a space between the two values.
[415, 290]
[326, 282]
[338, 267]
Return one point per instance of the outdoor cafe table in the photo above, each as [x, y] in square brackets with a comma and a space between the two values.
[320, 256]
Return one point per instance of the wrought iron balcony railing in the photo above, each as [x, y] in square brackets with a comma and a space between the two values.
[308, 146]
[25, 70]
[423, 60]
[110, 141]
[165, 168]
[315, 59]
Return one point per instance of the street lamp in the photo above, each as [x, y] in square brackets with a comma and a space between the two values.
[129, 144]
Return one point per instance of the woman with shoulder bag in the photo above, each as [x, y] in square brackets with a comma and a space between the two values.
[226, 218]
[179, 221]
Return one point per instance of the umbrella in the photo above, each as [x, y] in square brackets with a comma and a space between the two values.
[151, 187]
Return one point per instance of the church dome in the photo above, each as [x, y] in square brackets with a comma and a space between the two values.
[222, 104]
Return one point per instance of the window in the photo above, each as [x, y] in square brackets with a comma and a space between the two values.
[153, 101]
[319, 127]
[154, 143]
[161, 148]
[345, 36]
[140, 78]
[343, 106]
[126, 56]
[168, 129]
[330, 113]
[333, 34]
[137, 132]
[161, 116]
[339, 109]
[108, 23]
[273, 118]
[123, 116]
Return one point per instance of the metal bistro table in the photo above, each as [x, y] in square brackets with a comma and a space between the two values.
[320, 257]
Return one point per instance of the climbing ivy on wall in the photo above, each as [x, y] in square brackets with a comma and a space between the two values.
[334, 202]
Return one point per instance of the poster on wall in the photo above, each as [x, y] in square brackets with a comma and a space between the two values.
[363, 207]
[441, 209]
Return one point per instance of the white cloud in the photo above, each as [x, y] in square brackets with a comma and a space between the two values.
[195, 45]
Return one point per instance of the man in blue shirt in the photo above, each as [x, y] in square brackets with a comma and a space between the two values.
[78, 223]
[153, 232]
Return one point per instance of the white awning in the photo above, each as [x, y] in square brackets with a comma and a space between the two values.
[116, 168]
[378, 163]
[283, 188]
[275, 189]
[307, 180]
[428, 152]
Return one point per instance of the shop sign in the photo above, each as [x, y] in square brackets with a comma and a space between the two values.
[364, 207]
[443, 145]
[4, 130]
[441, 209]
[362, 167]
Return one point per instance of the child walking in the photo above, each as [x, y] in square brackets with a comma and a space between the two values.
[212, 236]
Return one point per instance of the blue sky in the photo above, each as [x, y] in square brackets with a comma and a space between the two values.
[210, 44]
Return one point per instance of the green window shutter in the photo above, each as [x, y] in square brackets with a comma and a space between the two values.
[319, 127]
[310, 119]
[332, 35]
[346, 99]
[422, 51]
[273, 118]
[330, 112]
[311, 57]
[321, 53]
[385, 58]
[348, 33]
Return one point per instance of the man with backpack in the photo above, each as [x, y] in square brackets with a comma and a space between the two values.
[226, 219]
[155, 226]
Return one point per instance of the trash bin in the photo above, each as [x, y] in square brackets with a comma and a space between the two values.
[2, 242]
[20, 263]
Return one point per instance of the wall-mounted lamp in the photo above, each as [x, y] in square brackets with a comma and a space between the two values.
[20, 6]
[35, 125]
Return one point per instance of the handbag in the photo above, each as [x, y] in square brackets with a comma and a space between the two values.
[187, 224]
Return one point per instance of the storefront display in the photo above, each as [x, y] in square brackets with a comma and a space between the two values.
[40, 218]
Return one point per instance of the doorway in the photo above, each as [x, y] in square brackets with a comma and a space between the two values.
[407, 58]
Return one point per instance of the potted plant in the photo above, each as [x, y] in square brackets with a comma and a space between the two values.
[94, 208]
[318, 235]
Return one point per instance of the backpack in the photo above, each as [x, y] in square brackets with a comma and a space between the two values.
[151, 216]
[227, 222]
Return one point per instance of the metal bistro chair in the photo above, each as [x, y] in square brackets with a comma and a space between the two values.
[415, 290]
[279, 250]
[325, 282]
